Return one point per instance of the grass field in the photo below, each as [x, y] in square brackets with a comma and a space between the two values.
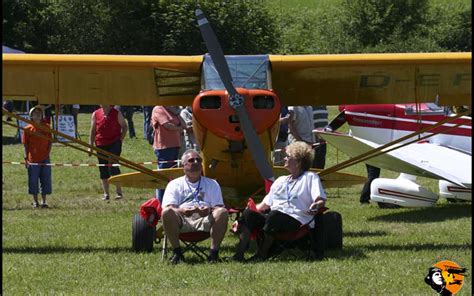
[82, 245]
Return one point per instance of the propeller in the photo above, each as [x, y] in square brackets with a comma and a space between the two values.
[235, 99]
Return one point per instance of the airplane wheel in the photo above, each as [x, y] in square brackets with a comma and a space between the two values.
[332, 222]
[143, 235]
[384, 205]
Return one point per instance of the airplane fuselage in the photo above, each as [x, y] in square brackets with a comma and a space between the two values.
[216, 127]
[385, 123]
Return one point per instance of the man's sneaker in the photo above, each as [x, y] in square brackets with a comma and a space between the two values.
[106, 197]
[176, 258]
[119, 196]
[316, 255]
[213, 258]
[255, 258]
[44, 205]
[35, 204]
[234, 258]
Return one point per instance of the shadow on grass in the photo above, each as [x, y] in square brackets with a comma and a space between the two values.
[415, 247]
[63, 250]
[365, 233]
[10, 140]
[427, 215]
[358, 252]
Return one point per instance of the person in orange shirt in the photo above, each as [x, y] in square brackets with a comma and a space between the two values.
[37, 149]
[168, 126]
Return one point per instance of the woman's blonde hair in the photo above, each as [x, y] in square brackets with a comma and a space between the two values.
[302, 152]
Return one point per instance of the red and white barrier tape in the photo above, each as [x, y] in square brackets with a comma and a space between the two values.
[86, 164]
[177, 162]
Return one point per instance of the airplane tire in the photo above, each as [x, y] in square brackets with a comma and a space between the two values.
[143, 235]
[384, 205]
[332, 222]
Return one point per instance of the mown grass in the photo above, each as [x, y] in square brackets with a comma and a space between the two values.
[82, 245]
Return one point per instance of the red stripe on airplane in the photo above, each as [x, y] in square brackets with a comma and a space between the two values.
[458, 189]
[402, 194]
[365, 121]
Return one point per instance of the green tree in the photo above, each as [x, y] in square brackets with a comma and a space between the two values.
[374, 22]
[451, 26]
[27, 24]
[135, 27]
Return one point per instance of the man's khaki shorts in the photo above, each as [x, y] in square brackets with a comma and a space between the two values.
[195, 223]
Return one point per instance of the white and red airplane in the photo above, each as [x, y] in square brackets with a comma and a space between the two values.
[445, 156]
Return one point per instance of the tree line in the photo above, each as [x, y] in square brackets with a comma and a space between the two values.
[157, 27]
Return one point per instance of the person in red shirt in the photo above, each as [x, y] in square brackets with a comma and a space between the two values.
[108, 129]
[37, 145]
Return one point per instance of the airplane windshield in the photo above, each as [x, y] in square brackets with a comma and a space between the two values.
[250, 72]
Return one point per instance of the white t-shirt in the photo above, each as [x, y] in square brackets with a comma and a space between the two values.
[294, 197]
[183, 193]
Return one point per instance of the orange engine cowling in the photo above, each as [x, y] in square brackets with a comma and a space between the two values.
[213, 112]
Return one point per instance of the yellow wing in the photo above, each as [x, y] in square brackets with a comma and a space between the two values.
[372, 78]
[333, 180]
[102, 79]
[141, 180]
[298, 80]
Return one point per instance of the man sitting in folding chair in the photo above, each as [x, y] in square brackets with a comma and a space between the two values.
[193, 203]
[292, 201]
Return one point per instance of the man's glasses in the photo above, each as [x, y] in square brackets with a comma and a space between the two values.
[195, 160]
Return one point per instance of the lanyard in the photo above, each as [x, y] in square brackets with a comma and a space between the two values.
[288, 190]
[196, 191]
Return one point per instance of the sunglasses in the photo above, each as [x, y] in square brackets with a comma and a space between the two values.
[194, 160]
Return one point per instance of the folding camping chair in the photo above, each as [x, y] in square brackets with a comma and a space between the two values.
[190, 241]
[301, 238]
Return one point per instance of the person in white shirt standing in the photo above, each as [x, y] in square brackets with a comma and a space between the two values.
[292, 201]
[193, 203]
[301, 124]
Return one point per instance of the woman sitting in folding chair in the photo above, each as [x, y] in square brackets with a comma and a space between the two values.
[292, 201]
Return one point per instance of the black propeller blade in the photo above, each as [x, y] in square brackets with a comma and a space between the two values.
[235, 99]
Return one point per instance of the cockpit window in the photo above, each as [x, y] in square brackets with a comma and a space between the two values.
[428, 109]
[251, 72]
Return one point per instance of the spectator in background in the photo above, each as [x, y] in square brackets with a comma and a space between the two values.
[8, 105]
[372, 173]
[108, 130]
[48, 113]
[37, 150]
[167, 137]
[282, 139]
[301, 124]
[320, 119]
[75, 112]
[127, 112]
[189, 139]
[146, 121]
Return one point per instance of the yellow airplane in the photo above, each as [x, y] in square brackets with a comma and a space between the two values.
[236, 100]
